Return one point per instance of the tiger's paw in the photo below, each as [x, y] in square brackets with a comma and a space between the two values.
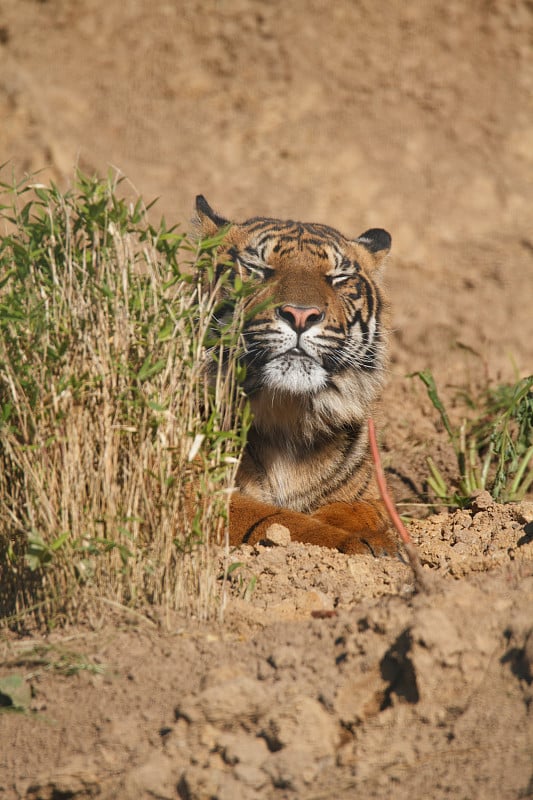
[380, 544]
[365, 526]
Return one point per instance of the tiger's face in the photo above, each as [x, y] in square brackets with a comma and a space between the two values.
[323, 321]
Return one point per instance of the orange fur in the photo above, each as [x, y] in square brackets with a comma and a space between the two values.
[348, 527]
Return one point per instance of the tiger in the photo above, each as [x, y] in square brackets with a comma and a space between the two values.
[315, 360]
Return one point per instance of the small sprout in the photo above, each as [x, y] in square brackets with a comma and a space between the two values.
[493, 450]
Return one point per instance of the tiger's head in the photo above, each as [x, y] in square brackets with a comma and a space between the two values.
[322, 336]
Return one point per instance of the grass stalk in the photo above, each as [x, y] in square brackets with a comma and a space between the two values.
[106, 332]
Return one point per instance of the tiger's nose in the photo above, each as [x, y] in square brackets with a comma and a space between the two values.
[300, 318]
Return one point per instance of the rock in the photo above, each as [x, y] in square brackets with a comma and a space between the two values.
[481, 501]
[277, 535]
[241, 749]
[229, 702]
[523, 512]
[303, 724]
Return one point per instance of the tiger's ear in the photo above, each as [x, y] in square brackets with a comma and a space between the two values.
[209, 222]
[376, 240]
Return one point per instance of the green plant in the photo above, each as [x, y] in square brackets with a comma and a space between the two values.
[118, 443]
[493, 450]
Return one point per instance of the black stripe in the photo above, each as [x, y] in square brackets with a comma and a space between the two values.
[252, 528]
[369, 294]
[341, 476]
[334, 328]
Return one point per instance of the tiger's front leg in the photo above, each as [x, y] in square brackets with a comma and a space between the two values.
[350, 528]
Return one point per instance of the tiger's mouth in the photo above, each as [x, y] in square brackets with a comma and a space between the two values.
[295, 354]
[294, 371]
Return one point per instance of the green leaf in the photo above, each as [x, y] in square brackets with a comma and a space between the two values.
[235, 565]
[427, 378]
[59, 542]
[166, 330]
[148, 370]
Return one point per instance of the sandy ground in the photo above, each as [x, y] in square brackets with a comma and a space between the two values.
[330, 677]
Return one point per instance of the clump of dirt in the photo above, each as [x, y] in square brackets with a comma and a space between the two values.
[329, 676]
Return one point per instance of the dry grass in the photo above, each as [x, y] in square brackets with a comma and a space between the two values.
[104, 399]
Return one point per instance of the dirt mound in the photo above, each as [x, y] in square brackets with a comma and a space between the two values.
[329, 677]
